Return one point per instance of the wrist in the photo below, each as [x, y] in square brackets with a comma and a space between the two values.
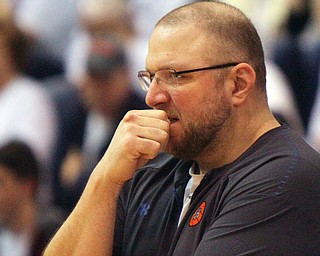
[103, 181]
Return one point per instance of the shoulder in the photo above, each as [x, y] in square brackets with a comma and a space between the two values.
[285, 144]
[281, 165]
[294, 148]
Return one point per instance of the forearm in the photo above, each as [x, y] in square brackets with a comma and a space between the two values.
[89, 228]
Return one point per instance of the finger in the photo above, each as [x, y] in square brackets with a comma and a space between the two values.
[156, 113]
[152, 118]
[155, 134]
[148, 149]
[131, 147]
[147, 128]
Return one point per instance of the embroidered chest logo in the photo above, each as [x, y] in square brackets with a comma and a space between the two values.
[143, 209]
[198, 214]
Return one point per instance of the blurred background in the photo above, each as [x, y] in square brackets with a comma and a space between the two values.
[68, 74]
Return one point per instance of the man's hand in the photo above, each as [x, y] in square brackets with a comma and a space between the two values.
[140, 136]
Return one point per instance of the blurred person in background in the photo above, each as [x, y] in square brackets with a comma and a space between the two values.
[93, 17]
[281, 98]
[296, 51]
[24, 228]
[26, 111]
[314, 122]
[96, 16]
[107, 93]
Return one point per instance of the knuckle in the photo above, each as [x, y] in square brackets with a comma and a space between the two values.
[130, 116]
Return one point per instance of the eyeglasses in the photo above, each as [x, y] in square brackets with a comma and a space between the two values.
[171, 76]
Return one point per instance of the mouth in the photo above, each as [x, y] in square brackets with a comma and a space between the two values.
[173, 120]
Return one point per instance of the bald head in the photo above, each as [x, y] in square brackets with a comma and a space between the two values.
[227, 29]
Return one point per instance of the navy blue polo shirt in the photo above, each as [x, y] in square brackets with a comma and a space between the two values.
[266, 202]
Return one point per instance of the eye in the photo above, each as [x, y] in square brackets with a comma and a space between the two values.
[174, 74]
[170, 76]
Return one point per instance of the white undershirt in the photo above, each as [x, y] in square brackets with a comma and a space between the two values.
[193, 183]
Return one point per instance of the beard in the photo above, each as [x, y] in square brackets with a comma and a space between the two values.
[201, 132]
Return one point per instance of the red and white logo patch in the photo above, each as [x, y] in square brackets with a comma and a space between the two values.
[198, 214]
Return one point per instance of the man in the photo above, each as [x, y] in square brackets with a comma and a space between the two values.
[259, 182]
[23, 229]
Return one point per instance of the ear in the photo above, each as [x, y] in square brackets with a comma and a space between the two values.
[244, 78]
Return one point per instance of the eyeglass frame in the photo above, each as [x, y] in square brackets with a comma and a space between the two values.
[145, 85]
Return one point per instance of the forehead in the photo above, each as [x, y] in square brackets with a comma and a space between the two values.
[176, 46]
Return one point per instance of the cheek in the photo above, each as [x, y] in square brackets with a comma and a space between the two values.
[191, 106]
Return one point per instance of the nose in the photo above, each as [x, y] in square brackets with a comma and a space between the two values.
[156, 95]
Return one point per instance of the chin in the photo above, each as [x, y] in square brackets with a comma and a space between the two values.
[179, 152]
